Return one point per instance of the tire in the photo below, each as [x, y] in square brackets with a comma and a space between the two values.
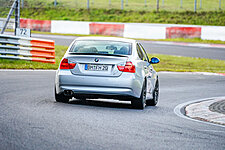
[139, 103]
[61, 98]
[154, 101]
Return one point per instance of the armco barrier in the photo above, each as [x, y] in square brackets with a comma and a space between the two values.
[70, 27]
[36, 25]
[213, 33]
[183, 32]
[129, 30]
[144, 31]
[106, 29]
[33, 49]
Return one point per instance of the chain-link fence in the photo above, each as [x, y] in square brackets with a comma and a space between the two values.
[143, 5]
[5, 6]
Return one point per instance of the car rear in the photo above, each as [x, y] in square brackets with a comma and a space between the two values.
[99, 69]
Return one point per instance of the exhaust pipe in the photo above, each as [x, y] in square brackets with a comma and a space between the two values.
[68, 93]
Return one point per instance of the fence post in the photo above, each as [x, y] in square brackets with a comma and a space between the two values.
[145, 3]
[200, 4]
[181, 3]
[162, 2]
[157, 9]
[22, 3]
[195, 8]
[88, 4]
[109, 3]
[219, 4]
[18, 14]
[55, 3]
[121, 4]
[126, 2]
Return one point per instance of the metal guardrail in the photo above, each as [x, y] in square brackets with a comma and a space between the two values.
[21, 48]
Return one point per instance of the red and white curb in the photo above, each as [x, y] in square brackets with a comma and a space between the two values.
[198, 110]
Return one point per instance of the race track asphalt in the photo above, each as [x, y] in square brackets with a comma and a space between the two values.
[31, 119]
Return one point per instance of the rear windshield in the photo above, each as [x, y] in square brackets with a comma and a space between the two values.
[101, 47]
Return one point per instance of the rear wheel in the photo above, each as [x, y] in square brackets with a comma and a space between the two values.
[154, 101]
[139, 103]
[61, 98]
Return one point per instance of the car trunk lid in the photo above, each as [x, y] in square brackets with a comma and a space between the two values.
[96, 65]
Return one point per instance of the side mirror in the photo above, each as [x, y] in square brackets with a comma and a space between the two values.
[154, 60]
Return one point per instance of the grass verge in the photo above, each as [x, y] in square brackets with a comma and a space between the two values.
[171, 5]
[168, 63]
[116, 15]
[188, 64]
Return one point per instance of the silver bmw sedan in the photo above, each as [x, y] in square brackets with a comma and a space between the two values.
[107, 67]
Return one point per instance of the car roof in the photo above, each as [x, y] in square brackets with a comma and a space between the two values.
[107, 39]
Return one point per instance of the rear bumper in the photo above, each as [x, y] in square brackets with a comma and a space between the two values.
[127, 84]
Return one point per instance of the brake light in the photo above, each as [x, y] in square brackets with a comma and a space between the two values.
[129, 67]
[65, 65]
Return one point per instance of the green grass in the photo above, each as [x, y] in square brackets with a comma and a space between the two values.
[168, 63]
[135, 11]
[171, 5]
[188, 64]
[75, 10]
[114, 15]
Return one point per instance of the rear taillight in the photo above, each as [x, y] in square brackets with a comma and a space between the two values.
[65, 65]
[129, 67]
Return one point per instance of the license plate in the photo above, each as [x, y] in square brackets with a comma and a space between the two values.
[91, 67]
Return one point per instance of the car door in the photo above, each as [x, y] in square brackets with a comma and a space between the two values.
[150, 73]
